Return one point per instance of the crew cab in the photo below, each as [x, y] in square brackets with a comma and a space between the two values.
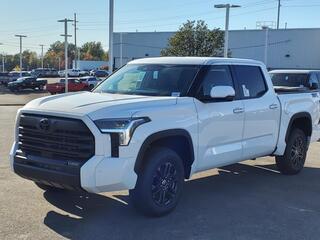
[158, 121]
[74, 85]
[27, 83]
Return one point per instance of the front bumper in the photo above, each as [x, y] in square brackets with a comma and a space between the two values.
[101, 173]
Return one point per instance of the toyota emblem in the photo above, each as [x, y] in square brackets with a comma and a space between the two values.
[44, 124]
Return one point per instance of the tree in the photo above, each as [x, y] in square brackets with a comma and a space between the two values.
[93, 51]
[195, 39]
[56, 51]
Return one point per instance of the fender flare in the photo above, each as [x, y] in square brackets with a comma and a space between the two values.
[158, 136]
[293, 118]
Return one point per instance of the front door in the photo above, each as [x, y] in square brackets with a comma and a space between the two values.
[220, 121]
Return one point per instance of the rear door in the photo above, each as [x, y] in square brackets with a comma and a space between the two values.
[220, 121]
[262, 111]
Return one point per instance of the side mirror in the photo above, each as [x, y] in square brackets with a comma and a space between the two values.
[314, 86]
[223, 92]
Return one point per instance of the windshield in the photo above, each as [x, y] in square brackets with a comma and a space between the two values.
[150, 80]
[290, 79]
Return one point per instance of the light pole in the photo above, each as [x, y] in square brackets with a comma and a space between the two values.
[121, 50]
[59, 63]
[76, 57]
[20, 36]
[41, 45]
[111, 11]
[279, 9]
[2, 59]
[266, 45]
[65, 35]
[226, 33]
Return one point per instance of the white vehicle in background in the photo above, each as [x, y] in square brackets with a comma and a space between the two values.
[91, 81]
[156, 122]
[71, 73]
[304, 79]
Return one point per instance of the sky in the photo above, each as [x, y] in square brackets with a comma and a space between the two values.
[38, 18]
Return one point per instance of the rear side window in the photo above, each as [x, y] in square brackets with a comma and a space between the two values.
[251, 81]
[216, 76]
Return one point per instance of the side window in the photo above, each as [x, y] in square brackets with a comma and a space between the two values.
[216, 76]
[251, 81]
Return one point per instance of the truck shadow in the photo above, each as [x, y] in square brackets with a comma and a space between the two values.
[240, 202]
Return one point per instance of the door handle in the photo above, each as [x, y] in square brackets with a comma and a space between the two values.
[238, 110]
[273, 106]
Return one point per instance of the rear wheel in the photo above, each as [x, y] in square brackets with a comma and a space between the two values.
[293, 160]
[160, 183]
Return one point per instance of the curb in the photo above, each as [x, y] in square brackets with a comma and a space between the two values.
[12, 104]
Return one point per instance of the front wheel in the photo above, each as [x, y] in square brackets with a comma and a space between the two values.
[160, 183]
[292, 162]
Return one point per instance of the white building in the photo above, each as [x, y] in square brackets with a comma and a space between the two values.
[89, 65]
[287, 48]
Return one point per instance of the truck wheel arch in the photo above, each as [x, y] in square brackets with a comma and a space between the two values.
[172, 139]
[297, 120]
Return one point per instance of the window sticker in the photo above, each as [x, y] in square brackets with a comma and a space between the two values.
[246, 91]
[175, 94]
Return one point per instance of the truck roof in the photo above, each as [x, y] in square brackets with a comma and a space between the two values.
[194, 61]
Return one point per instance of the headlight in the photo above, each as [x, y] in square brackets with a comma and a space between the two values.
[124, 127]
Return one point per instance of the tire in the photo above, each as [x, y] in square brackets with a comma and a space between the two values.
[293, 160]
[160, 183]
[47, 187]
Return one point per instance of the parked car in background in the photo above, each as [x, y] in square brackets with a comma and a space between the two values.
[27, 83]
[303, 79]
[84, 73]
[4, 78]
[91, 81]
[14, 75]
[44, 72]
[74, 85]
[71, 73]
[101, 73]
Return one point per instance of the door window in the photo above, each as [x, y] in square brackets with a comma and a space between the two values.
[251, 81]
[216, 76]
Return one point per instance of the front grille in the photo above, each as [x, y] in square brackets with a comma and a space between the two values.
[55, 138]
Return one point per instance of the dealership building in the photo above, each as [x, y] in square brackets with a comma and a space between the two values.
[286, 48]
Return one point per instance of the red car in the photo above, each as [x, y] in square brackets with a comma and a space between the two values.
[74, 85]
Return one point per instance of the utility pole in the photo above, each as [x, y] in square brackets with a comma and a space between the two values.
[226, 33]
[20, 37]
[41, 45]
[111, 13]
[76, 57]
[279, 8]
[65, 35]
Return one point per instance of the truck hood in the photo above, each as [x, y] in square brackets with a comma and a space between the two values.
[97, 105]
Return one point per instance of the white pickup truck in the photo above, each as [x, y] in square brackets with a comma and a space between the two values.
[156, 122]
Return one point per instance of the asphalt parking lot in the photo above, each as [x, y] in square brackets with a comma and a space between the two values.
[250, 200]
